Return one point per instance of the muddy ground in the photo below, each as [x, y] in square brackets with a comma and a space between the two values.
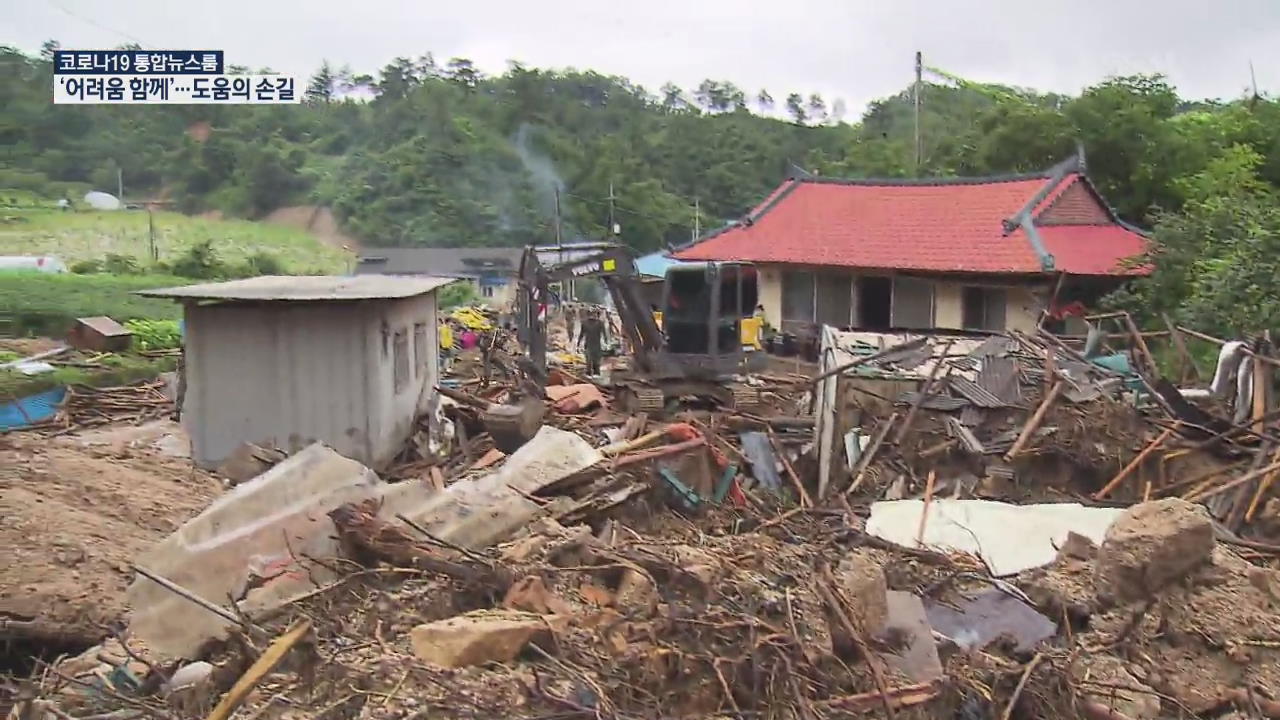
[73, 518]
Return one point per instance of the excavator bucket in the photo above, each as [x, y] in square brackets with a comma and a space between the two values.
[511, 426]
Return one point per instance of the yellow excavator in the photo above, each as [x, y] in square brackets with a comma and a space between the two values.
[697, 353]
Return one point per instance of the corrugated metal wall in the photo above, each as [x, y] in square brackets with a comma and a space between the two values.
[291, 373]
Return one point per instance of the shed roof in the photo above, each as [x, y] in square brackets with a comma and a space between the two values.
[941, 225]
[441, 262]
[307, 288]
[104, 326]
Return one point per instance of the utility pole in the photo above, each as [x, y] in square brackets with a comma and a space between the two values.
[151, 233]
[120, 184]
[568, 285]
[558, 238]
[919, 76]
[613, 226]
[697, 219]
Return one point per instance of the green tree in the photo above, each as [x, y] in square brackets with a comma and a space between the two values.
[764, 101]
[321, 86]
[795, 107]
[1215, 262]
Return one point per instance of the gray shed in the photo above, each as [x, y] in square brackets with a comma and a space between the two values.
[287, 361]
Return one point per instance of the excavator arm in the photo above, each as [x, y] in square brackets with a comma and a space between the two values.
[615, 267]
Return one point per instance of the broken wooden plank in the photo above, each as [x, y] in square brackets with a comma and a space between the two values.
[262, 667]
[865, 462]
[929, 388]
[1137, 460]
[1034, 423]
[791, 473]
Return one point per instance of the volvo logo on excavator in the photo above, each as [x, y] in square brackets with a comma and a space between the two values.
[608, 265]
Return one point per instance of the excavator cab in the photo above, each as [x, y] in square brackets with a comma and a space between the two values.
[703, 307]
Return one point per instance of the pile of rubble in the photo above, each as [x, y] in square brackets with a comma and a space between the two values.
[1028, 418]
[973, 528]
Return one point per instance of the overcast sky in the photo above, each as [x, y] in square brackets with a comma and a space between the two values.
[858, 50]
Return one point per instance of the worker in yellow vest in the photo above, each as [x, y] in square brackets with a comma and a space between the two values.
[446, 343]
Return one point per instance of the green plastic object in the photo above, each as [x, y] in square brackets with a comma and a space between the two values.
[688, 496]
[726, 482]
[1118, 363]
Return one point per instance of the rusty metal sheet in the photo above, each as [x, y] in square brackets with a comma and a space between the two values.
[975, 393]
[972, 416]
[1002, 378]
[944, 403]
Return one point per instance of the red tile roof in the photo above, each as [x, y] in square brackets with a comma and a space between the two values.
[947, 226]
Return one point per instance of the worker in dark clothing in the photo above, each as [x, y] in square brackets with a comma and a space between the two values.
[591, 339]
[570, 320]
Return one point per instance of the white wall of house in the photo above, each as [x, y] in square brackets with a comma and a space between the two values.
[412, 343]
[992, 306]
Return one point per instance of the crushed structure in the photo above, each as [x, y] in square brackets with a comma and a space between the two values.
[921, 526]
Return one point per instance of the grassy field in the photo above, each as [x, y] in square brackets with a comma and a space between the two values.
[40, 304]
[88, 235]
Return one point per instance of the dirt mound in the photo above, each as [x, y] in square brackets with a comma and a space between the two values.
[317, 220]
[73, 518]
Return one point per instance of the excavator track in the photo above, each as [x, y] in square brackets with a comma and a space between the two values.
[745, 397]
[640, 398]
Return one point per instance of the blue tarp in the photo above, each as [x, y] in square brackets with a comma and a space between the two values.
[31, 409]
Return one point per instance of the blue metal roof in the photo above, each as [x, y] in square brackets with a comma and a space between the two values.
[656, 264]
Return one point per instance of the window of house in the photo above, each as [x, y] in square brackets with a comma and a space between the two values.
[400, 360]
[983, 308]
[912, 303]
[486, 291]
[875, 303]
[420, 357]
[835, 299]
[797, 297]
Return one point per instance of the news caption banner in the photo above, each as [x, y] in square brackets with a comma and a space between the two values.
[162, 77]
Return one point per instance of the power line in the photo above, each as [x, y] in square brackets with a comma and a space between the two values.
[95, 23]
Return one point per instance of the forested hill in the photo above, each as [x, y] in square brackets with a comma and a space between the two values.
[439, 154]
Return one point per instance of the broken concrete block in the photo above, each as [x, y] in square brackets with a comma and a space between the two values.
[1151, 545]
[478, 637]
[906, 642]
[530, 594]
[862, 582]
[248, 461]
[481, 512]
[1077, 546]
[636, 593]
[250, 545]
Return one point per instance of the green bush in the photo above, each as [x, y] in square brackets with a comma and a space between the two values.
[117, 264]
[201, 262]
[458, 294]
[264, 263]
[44, 304]
[155, 334]
[86, 267]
